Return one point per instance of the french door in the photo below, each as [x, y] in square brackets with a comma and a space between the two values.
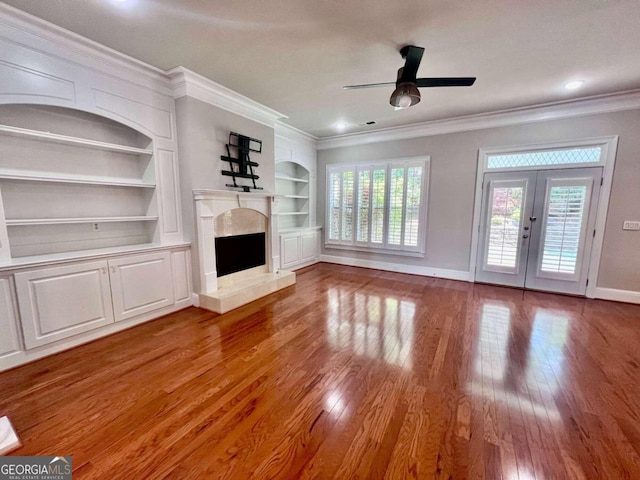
[536, 229]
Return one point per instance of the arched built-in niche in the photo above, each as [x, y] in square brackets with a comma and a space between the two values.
[73, 181]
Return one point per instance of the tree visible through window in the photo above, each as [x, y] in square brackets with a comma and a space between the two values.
[380, 206]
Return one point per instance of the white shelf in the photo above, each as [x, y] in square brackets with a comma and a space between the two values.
[297, 196]
[82, 180]
[66, 221]
[291, 179]
[293, 213]
[64, 139]
[52, 258]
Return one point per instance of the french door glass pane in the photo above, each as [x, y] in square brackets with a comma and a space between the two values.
[563, 226]
[334, 206]
[364, 188]
[412, 210]
[504, 227]
[396, 194]
[377, 206]
[347, 205]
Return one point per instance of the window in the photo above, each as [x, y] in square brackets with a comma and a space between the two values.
[379, 206]
[541, 158]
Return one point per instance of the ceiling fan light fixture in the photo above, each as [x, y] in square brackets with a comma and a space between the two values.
[405, 95]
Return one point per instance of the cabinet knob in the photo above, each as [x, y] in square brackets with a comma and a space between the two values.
[113, 269]
[104, 270]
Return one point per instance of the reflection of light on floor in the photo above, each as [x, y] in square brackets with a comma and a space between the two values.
[546, 354]
[334, 404]
[371, 326]
[519, 474]
[493, 340]
[515, 400]
[517, 365]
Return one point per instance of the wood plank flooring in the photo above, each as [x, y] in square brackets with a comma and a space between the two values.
[352, 373]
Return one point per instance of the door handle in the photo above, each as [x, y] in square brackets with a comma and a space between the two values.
[526, 228]
[533, 219]
[525, 236]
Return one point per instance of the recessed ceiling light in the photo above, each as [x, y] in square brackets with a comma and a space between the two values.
[574, 85]
[340, 126]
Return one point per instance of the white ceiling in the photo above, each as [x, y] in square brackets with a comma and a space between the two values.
[295, 55]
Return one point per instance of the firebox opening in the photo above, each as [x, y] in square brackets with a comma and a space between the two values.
[240, 252]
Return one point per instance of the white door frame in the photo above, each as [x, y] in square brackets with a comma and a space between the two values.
[609, 146]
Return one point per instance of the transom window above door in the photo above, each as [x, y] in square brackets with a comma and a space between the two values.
[575, 154]
[378, 206]
[543, 158]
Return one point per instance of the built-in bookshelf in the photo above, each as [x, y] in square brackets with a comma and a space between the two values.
[73, 181]
[292, 182]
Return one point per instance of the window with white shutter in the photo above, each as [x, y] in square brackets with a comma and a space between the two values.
[380, 206]
[563, 227]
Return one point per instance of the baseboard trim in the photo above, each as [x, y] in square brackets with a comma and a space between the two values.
[627, 296]
[400, 268]
[195, 299]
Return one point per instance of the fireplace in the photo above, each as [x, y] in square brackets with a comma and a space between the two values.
[240, 252]
[238, 249]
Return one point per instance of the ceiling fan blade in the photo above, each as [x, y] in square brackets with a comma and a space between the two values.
[413, 57]
[368, 85]
[446, 82]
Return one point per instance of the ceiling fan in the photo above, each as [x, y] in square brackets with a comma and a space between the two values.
[406, 93]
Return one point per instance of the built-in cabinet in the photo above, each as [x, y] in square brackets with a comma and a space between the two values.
[9, 331]
[300, 247]
[140, 284]
[91, 238]
[296, 167]
[60, 303]
[56, 303]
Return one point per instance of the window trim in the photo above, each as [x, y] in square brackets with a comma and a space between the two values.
[385, 248]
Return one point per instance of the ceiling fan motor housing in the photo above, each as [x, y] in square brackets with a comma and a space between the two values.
[405, 95]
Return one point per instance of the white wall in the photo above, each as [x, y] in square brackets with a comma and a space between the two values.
[203, 132]
[452, 188]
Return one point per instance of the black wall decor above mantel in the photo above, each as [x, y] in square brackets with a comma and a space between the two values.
[242, 166]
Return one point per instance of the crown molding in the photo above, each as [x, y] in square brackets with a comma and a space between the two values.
[25, 29]
[295, 135]
[628, 100]
[184, 82]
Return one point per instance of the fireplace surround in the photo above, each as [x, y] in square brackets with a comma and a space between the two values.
[222, 214]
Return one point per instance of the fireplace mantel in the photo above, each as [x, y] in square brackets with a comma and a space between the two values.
[201, 194]
[210, 204]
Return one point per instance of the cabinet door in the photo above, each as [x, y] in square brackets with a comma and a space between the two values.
[9, 340]
[289, 250]
[56, 303]
[308, 246]
[141, 284]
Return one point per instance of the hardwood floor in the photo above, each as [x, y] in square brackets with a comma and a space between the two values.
[352, 373]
